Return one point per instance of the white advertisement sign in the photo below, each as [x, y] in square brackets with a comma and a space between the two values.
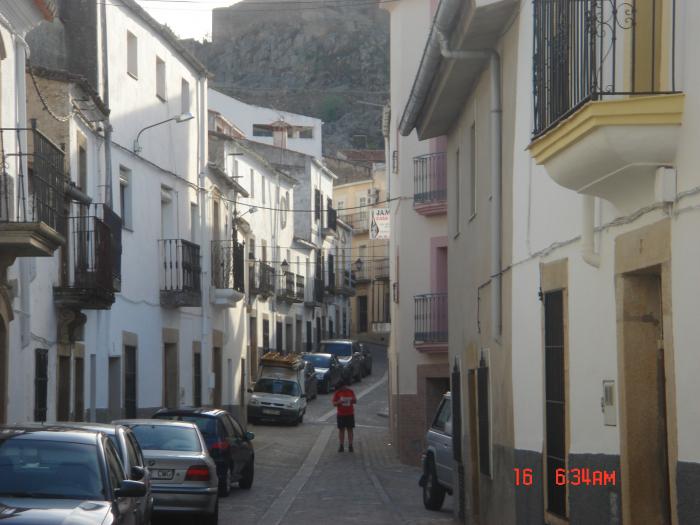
[379, 227]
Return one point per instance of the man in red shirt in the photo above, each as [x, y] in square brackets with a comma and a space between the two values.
[344, 400]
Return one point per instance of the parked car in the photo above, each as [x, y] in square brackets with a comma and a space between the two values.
[366, 358]
[438, 459]
[310, 381]
[183, 474]
[327, 370]
[279, 392]
[229, 444]
[348, 354]
[55, 475]
[130, 455]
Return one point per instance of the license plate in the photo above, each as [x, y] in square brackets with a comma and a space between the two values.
[162, 474]
[271, 412]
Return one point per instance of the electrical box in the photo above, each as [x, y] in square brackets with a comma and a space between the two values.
[665, 184]
[608, 404]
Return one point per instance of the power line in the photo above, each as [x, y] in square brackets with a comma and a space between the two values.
[361, 4]
[321, 210]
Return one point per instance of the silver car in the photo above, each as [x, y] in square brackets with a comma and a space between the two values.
[183, 474]
[437, 458]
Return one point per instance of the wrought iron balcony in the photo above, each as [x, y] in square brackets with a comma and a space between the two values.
[262, 277]
[300, 288]
[88, 262]
[228, 271]
[381, 268]
[32, 179]
[317, 290]
[180, 277]
[358, 221]
[288, 287]
[430, 183]
[594, 49]
[431, 318]
[344, 282]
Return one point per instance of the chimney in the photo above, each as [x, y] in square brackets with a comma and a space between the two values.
[279, 133]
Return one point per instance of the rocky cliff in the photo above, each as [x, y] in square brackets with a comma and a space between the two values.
[324, 58]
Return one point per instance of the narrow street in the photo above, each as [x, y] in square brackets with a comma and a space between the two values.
[301, 478]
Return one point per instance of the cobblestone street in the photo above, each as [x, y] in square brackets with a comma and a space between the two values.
[301, 478]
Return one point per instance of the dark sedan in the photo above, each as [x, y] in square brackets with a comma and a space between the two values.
[310, 381]
[327, 370]
[230, 446]
[348, 354]
[366, 358]
[61, 475]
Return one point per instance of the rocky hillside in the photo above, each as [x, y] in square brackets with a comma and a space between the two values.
[320, 61]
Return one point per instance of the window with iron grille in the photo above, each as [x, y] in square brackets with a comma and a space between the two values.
[41, 380]
[555, 403]
[484, 409]
[130, 403]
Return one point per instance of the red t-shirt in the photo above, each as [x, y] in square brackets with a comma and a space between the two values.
[346, 399]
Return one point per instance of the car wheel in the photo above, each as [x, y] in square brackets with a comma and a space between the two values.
[246, 480]
[225, 484]
[212, 519]
[433, 493]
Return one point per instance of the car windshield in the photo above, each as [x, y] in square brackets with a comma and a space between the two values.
[165, 437]
[34, 468]
[206, 424]
[277, 386]
[319, 361]
[337, 349]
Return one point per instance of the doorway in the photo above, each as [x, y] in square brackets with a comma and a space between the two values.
[288, 337]
[216, 369]
[253, 348]
[171, 384]
[361, 313]
[279, 335]
[115, 388]
[63, 394]
[3, 371]
[644, 432]
[79, 389]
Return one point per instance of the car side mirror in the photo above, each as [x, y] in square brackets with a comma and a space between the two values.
[249, 436]
[131, 489]
[137, 473]
[250, 390]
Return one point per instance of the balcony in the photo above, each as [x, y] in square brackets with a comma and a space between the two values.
[300, 289]
[228, 272]
[344, 282]
[358, 221]
[262, 277]
[89, 260]
[331, 222]
[31, 194]
[607, 110]
[381, 269]
[287, 290]
[430, 184]
[316, 295]
[431, 322]
[180, 276]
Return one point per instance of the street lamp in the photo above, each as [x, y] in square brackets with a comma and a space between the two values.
[358, 265]
[284, 266]
[251, 210]
[183, 117]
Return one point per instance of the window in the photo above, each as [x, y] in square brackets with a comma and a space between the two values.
[185, 97]
[41, 383]
[160, 78]
[132, 62]
[252, 183]
[317, 204]
[456, 214]
[472, 171]
[130, 402]
[125, 197]
[262, 188]
[443, 416]
[260, 130]
[306, 133]
[82, 163]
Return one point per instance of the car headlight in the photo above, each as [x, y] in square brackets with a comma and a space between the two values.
[293, 404]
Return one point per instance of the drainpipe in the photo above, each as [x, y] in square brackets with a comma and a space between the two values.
[588, 252]
[496, 169]
[202, 122]
[105, 99]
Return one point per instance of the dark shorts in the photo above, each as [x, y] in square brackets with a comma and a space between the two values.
[346, 421]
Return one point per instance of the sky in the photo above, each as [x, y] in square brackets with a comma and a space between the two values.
[188, 18]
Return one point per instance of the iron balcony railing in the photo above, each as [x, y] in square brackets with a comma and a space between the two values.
[358, 221]
[343, 278]
[590, 49]
[429, 179]
[181, 271]
[431, 318]
[87, 275]
[32, 178]
[381, 268]
[287, 285]
[228, 265]
[300, 287]
[262, 277]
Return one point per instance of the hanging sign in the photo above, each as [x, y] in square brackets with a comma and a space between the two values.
[379, 227]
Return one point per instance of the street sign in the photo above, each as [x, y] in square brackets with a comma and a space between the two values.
[379, 227]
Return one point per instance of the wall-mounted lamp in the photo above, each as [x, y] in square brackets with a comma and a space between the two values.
[183, 117]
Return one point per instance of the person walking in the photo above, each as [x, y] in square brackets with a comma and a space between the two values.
[344, 400]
